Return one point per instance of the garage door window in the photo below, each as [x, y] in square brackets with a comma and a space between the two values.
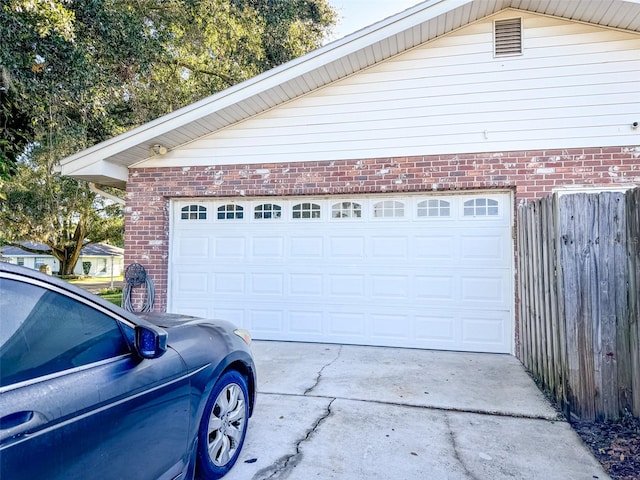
[346, 210]
[481, 207]
[230, 212]
[267, 211]
[193, 212]
[388, 208]
[306, 210]
[434, 208]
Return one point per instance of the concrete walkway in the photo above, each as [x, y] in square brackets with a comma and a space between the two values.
[350, 412]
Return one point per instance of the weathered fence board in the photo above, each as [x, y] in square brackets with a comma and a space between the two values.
[578, 260]
[633, 247]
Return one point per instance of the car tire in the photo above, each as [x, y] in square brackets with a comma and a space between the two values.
[223, 426]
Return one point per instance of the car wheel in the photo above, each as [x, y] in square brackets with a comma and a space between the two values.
[223, 426]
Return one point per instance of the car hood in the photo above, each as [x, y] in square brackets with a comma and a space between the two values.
[171, 321]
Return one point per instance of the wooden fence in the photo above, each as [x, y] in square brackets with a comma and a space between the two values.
[578, 282]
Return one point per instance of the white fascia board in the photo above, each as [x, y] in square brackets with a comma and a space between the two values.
[260, 83]
[97, 168]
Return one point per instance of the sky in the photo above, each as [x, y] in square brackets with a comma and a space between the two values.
[357, 14]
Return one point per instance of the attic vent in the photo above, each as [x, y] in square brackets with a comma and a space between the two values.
[508, 37]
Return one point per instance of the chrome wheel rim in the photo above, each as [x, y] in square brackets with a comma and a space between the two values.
[226, 425]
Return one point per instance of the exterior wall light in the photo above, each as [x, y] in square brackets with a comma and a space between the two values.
[158, 149]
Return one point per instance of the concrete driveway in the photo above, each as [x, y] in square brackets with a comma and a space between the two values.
[351, 412]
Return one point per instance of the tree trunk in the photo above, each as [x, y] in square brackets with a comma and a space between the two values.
[67, 267]
[72, 255]
[69, 255]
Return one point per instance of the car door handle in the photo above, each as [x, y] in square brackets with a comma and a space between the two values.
[19, 423]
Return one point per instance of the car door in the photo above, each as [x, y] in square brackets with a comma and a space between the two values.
[75, 400]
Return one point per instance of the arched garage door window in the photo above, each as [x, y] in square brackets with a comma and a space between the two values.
[230, 212]
[481, 207]
[388, 208]
[267, 211]
[193, 212]
[346, 210]
[434, 208]
[306, 210]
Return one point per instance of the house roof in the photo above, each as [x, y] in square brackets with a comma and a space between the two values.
[107, 163]
[92, 250]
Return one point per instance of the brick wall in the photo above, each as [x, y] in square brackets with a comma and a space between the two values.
[531, 174]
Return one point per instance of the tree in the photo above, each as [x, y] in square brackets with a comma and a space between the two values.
[210, 45]
[96, 68]
[291, 28]
[59, 212]
[75, 73]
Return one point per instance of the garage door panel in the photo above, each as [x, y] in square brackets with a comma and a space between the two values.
[438, 328]
[266, 320]
[430, 248]
[347, 247]
[229, 247]
[306, 284]
[192, 247]
[306, 247]
[195, 282]
[391, 326]
[390, 286]
[229, 283]
[306, 322]
[347, 286]
[484, 247]
[435, 287]
[267, 247]
[390, 247]
[269, 284]
[486, 331]
[489, 288]
[404, 280]
[344, 324]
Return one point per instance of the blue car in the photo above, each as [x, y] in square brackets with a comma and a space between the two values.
[89, 390]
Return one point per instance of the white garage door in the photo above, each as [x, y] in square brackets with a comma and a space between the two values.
[423, 271]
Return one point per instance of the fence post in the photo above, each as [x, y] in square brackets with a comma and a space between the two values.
[563, 361]
[633, 247]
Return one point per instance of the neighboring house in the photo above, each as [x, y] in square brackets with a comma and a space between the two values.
[102, 259]
[365, 193]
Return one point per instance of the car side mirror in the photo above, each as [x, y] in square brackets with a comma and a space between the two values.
[149, 342]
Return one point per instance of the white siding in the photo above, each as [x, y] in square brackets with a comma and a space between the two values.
[576, 85]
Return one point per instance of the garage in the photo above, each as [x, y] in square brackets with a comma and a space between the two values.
[421, 271]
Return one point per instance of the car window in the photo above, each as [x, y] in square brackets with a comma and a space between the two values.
[43, 332]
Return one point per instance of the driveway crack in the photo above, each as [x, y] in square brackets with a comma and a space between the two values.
[283, 466]
[456, 453]
[308, 390]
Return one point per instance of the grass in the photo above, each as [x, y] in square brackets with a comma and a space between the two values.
[113, 295]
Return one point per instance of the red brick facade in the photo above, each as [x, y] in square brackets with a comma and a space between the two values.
[530, 175]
